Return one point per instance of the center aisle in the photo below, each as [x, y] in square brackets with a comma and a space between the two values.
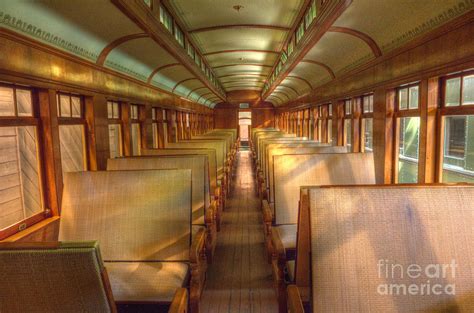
[240, 279]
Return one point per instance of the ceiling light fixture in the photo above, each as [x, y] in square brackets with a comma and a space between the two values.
[238, 7]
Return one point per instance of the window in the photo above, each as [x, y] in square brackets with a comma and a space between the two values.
[458, 132]
[459, 91]
[148, 3]
[178, 35]
[135, 130]
[21, 194]
[191, 50]
[408, 98]
[291, 46]
[408, 137]
[72, 136]
[166, 19]
[310, 14]
[367, 123]
[115, 129]
[300, 32]
[347, 123]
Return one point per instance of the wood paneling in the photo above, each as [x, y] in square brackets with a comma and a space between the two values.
[263, 117]
[98, 132]
[226, 118]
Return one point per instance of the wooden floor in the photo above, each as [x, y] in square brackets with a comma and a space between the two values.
[240, 279]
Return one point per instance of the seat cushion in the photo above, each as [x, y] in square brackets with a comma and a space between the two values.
[146, 281]
[290, 270]
[287, 235]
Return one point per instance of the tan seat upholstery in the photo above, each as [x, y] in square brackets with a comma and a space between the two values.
[146, 281]
[293, 171]
[358, 232]
[139, 216]
[287, 235]
[59, 277]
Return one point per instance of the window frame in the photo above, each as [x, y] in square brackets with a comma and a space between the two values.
[25, 121]
[450, 111]
[397, 116]
[71, 121]
[364, 116]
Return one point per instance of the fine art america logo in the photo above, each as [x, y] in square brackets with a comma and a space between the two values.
[424, 280]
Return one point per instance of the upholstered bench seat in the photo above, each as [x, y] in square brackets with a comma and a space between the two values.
[146, 281]
[287, 235]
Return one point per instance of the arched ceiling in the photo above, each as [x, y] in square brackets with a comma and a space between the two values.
[239, 38]
[366, 30]
[97, 31]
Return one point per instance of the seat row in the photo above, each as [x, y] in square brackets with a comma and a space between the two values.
[156, 219]
[338, 242]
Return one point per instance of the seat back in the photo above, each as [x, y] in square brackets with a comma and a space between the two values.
[256, 132]
[53, 277]
[266, 141]
[260, 138]
[231, 131]
[218, 145]
[210, 153]
[284, 149]
[293, 171]
[135, 215]
[392, 248]
[196, 163]
[217, 136]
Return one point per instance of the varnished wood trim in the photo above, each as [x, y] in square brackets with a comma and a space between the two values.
[32, 229]
[183, 81]
[233, 26]
[362, 36]
[114, 44]
[302, 79]
[156, 70]
[327, 68]
[240, 50]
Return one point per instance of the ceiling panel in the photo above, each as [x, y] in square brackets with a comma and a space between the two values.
[167, 78]
[241, 58]
[240, 39]
[197, 13]
[138, 56]
[247, 32]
